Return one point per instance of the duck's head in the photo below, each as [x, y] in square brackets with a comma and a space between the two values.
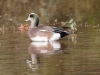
[33, 18]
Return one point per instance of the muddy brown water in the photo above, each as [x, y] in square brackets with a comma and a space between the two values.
[76, 54]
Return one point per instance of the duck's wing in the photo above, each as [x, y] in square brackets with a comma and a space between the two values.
[57, 29]
[51, 29]
[61, 31]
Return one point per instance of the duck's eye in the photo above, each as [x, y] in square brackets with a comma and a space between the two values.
[31, 15]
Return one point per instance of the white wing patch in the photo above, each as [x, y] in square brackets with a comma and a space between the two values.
[43, 30]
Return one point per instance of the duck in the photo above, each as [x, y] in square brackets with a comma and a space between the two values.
[38, 32]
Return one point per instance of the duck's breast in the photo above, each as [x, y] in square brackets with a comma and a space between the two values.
[37, 34]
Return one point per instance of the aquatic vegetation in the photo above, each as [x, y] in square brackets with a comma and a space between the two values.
[71, 24]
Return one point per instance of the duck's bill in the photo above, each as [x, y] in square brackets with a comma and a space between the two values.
[26, 20]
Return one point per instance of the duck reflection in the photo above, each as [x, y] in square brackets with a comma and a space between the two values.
[43, 48]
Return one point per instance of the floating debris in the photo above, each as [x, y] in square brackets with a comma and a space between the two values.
[55, 20]
[96, 26]
[24, 27]
[10, 19]
[71, 24]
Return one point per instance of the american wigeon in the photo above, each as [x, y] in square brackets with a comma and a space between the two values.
[43, 33]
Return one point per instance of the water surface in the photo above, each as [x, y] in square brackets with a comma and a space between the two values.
[76, 54]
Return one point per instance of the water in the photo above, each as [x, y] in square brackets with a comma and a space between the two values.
[76, 54]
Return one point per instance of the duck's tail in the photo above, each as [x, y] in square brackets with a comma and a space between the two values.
[65, 33]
